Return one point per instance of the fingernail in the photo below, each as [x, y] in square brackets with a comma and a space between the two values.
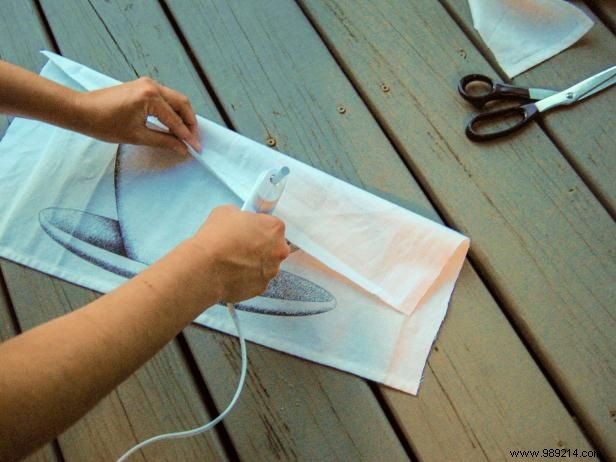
[196, 144]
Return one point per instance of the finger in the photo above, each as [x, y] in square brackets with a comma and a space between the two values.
[172, 120]
[286, 250]
[276, 224]
[163, 140]
[181, 104]
[269, 272]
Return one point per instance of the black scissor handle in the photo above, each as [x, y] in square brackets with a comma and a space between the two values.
[525, 113]
[485, 90]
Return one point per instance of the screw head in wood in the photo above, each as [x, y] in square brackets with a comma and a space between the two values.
[271, 141]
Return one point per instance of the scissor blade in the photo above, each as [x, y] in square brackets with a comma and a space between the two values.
[537, 94]
[608, 83]
[580, 90]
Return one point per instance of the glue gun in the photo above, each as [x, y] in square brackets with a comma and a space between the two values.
[267, 191]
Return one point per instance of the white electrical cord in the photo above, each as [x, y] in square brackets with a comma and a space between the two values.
[263, 199]
[223, 414]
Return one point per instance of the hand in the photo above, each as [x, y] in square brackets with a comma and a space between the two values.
[118, 114]
[246, 248]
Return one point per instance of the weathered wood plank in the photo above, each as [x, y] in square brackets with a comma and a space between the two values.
[22, 34]
[21, 40]
[147, 43]
[584, 132]
[148, 47]
[276, 79]
[8, 330]
[539, 235]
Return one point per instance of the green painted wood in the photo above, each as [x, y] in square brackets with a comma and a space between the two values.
[538, 234]
[584, 132]
[8, 330]
[158, 398]
[144, 40]
[276, 79]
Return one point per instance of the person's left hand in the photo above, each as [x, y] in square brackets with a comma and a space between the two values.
[118, 114]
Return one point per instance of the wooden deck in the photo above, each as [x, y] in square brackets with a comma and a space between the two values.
[366, 90]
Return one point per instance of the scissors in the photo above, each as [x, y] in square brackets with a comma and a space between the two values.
[479, 90]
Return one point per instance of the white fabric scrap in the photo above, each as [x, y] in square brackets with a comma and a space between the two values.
[524, 33]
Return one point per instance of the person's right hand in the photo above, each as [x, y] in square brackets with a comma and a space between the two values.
[245, 248]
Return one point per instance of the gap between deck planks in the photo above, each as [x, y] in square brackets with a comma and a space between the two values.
[249, 54]
[106, 431]
[540, 238]
[142, 40]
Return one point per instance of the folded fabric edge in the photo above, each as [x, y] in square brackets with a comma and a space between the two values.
[51, 67]
[407, 303]
[452, 265]
[71, 67]
[417, 344]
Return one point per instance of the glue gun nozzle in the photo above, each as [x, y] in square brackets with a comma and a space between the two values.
[278, 176]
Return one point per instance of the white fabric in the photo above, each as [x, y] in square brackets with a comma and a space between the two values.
[379, 277]
[523, 33]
